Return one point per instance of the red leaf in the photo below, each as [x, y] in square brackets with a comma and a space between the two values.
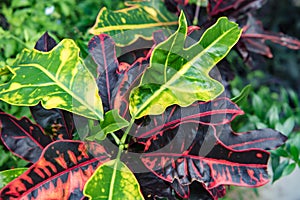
[102, 49]
[22, 137]
[190, 144]
[254, 37]
[266, 139]
[45, 43]
[115, 79]
[60, 173]
[233, 8]
[57, 123]
[216, 112]
[220, 166]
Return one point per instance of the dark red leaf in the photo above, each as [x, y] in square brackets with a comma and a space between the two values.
[22, 137]
[257, 139]
[254, 37]
[45, 43]
[60, 173]
[233, 8]
[218, 192]
[102, 49]
[128, 80]
[190, 144]
[56, 123]
[220, 166]
[216, 112]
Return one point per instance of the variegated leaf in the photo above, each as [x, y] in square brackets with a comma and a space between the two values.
[60, 81]
[60, 173]
[179, 75]
[113, 181]
[140, 19]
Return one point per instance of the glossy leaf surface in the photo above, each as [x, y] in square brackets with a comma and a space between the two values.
[140, 19]
[60, 74]
[22, 137]
[177, 75]
[60, 173]
[9, 175]
[102, 50]
[196, 143]
[113, 181]
[257, 139]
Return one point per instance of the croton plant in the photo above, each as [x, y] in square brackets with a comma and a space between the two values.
[148, 123]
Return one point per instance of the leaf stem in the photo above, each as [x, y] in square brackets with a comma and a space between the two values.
[122, 145]
[123, 139]
[198, 5]
[117, 140]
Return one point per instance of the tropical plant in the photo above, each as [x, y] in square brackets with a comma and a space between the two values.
[153, 125]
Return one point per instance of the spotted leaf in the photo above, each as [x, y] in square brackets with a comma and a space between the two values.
[61, 81]
[140, 19]
[60, 173]
[9, 175]
[113, 181]
[179, 75]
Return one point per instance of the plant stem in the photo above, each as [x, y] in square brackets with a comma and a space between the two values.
[121, 144]
[198, 5]
[123, 139]
[117, 140]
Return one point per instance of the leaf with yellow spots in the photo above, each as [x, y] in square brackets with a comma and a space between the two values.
[9, 175]
[180, 75]
[57, 79]
[140, 19]
[113, 180]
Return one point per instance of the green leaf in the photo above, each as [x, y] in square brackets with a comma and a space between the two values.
[243, 95]
[289, 169]
[111, 123]
[179, 75]
[294, 152]
[273, 115]
[113, 181]
[275, 160]
[9, 175]
[279, 170]
[257, 103]
[56, 78]
[141, 19]
[280, 152]
[289, 125]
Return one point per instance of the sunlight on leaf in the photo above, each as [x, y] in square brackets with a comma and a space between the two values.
[113, 180]
[60, 81]
[9, 175]
[140, 19]
[179, 75]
